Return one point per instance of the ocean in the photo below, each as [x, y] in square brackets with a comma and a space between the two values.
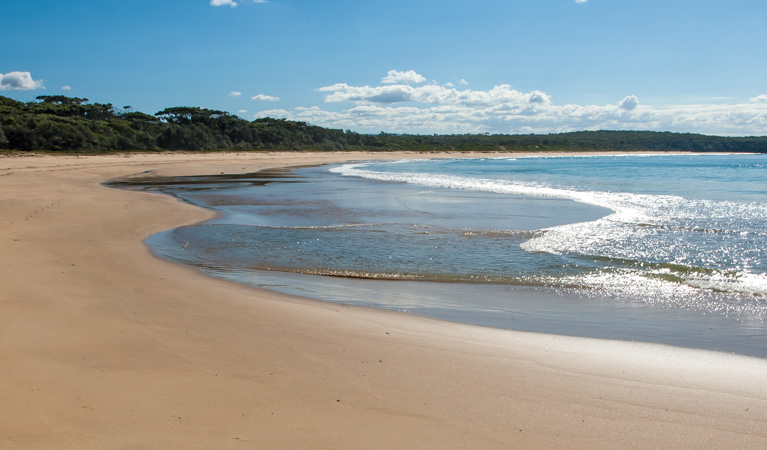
[669, 249]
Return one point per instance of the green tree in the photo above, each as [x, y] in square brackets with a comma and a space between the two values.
[61, 100]
[3, 140]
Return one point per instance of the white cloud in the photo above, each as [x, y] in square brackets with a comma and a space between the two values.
[235, 94]
[276, 113]
[539, 97]
[629, 103]
[342, 92]
[265, 98]
[430, 94]
[581, 1]
[19, 81]
[431, 108]
[66, 88]
[242, 111]
[409, 77]
[231, 3]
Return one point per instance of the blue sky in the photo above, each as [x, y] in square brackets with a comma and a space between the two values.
[496, 66]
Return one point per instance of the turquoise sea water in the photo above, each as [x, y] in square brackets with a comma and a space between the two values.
[669, 249]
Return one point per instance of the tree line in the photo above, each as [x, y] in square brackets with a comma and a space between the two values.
[70, 124]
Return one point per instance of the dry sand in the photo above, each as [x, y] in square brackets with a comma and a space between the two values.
[103, 346]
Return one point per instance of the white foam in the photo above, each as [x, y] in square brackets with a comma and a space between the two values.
[642, 227]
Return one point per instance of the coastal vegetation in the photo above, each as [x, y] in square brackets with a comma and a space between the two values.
[58, 123]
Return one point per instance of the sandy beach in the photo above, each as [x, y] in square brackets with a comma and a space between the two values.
[103, 345]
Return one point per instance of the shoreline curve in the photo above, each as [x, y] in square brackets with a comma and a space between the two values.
[104, 345]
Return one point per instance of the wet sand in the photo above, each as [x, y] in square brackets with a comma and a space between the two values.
[104, 346]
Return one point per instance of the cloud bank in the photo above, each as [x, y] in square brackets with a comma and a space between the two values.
[19, 81]
[405, 102]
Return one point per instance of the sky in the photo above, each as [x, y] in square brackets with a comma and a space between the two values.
[416, 66]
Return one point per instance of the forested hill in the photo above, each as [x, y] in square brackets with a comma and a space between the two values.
[59, 123]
